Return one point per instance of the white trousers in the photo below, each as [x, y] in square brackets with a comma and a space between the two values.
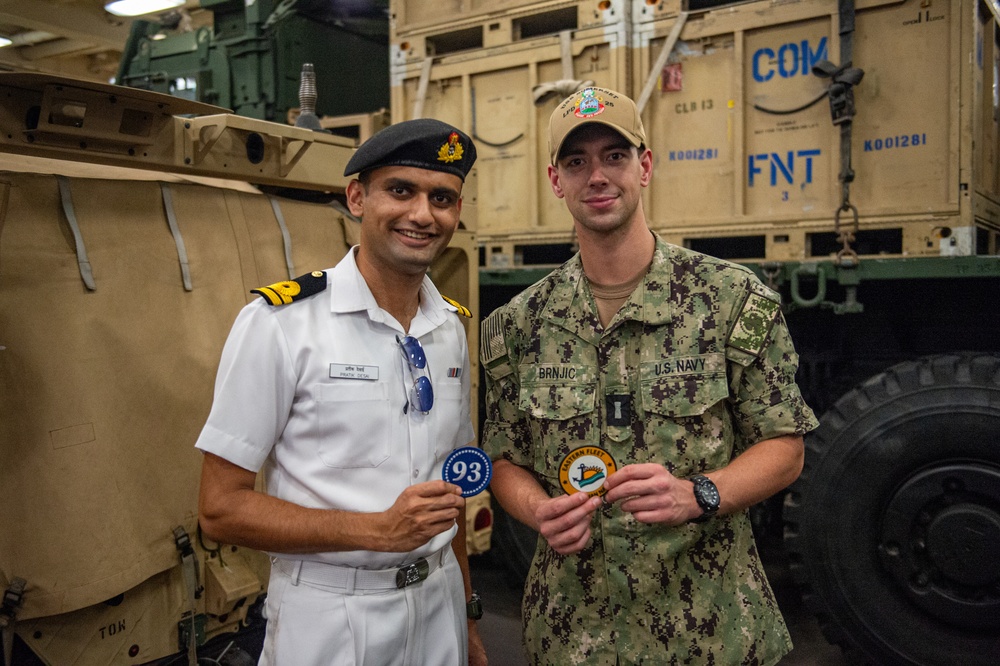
[422, 624]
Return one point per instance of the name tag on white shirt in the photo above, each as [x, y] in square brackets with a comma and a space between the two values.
[347, 371]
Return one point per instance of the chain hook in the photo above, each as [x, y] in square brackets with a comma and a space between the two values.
[846, 256]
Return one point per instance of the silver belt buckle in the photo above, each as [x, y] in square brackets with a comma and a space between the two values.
[413, 573]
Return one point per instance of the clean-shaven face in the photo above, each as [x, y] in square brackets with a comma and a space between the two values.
[600, 175]
[408, 216]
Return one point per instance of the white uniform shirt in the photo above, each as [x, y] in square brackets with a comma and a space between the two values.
[313, 392]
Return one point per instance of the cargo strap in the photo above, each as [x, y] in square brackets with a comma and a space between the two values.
[479, 139]
[994, 9]
[81, 250]
[841, 92]
[12, 598]
[168, 206]
[286, 239]
[565, 86]
[425, 77]
[661, 61]
[283, 9]
[566, 53]
[559, 90]
[190, 571]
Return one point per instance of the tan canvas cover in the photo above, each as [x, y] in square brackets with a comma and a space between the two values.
[103, 392]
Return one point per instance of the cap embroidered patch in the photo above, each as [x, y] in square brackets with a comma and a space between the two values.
[451, 150]
[589, 105]
[585, 470]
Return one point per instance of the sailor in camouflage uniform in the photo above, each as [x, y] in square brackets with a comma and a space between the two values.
[678, 368]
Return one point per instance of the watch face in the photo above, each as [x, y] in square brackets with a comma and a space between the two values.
[706, 493]
[474, 608]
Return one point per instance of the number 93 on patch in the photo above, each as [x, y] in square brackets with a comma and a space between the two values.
[468, 468]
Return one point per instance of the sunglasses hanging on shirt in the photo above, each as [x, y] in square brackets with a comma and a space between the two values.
[420, 394]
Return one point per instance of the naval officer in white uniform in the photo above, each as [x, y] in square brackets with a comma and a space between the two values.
[347, 389]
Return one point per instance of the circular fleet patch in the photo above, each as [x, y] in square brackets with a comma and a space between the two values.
[469, 468]
[585, 470]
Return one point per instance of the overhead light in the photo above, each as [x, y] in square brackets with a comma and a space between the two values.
[5, 42]
[140, 7]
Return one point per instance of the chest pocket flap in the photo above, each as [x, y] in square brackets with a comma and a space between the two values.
[686, 386]
[557, 392]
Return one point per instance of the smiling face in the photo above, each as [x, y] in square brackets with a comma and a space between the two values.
[408, 217]
[601, 176]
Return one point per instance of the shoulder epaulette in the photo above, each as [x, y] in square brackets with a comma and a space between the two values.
[462, 310]
[283, 293]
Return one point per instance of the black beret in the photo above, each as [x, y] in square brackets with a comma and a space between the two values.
[424, 143]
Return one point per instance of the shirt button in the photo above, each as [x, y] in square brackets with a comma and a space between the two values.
[416, 473]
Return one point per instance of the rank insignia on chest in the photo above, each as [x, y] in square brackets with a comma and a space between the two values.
[619, 409]
[585, 470]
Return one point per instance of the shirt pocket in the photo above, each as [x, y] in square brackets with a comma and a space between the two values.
[355, 424]
[447, 411]
[686, 395]
[562, 418]
[687, 415]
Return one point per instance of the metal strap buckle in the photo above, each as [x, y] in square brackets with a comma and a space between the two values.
[413, 573]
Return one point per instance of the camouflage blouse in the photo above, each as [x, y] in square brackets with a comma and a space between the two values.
[696, 366]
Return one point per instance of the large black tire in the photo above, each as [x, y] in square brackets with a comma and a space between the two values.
[894, 525]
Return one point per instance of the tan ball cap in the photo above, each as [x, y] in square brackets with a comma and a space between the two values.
[595, 105]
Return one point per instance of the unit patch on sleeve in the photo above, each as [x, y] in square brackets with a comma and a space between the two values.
[283, 293]
[754, 324]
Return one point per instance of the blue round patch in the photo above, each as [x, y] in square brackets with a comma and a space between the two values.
[469, 468]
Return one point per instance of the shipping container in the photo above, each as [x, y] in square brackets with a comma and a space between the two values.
[476, 24]
[737, 164]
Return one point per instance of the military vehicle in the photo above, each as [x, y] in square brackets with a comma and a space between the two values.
[248, 60]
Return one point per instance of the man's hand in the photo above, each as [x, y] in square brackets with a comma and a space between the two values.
[477, 651]
[421, 512]
[564, 521]
[652, 494]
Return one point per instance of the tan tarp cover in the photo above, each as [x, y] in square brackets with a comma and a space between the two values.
[103, 393]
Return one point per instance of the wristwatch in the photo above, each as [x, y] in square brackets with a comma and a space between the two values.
[707, 496]
[474, 607]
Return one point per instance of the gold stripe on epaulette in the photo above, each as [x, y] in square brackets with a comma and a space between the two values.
[287, 291]
[271, 295]
[462, 310]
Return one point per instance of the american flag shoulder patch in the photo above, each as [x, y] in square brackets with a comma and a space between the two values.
[491, 337]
